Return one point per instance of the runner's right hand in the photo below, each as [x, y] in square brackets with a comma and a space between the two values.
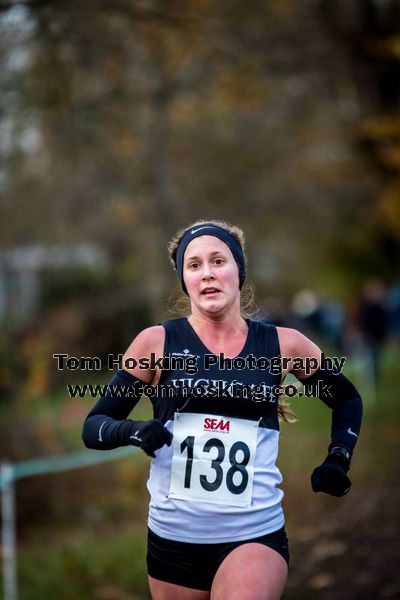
[150, 436]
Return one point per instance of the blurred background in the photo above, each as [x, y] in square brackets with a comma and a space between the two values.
[122, 121]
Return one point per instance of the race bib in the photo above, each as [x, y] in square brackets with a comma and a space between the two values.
[213, 459]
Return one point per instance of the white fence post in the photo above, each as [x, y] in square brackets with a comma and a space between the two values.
[8, 534]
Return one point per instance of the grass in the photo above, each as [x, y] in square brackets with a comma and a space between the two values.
[85, 565]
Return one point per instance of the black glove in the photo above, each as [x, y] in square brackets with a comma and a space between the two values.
[330, 477]
[150, 436]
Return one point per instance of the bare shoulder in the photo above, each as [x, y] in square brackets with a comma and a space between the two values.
[149, 342]
[295, 345]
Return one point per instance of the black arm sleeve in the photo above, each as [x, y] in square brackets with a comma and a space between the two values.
[106, 425]
[337, 392]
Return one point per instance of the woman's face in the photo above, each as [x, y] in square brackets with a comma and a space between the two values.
[211, 274]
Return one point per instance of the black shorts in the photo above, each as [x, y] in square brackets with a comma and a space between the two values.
[195, 565]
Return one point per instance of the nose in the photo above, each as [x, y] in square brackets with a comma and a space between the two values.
[207, 272]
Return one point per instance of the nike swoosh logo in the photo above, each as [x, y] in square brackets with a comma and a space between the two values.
[196, 230]
[351, 432]
[136, 437]
[101, 427]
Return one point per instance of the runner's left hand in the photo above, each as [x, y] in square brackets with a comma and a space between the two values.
[330, 477]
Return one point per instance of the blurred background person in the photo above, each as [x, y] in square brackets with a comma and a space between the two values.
[373, 318]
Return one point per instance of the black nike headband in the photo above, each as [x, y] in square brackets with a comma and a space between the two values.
[220, 233]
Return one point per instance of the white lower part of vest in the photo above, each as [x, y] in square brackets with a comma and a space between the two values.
[199, 515]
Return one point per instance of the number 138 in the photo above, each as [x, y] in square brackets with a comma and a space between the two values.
[236, 467]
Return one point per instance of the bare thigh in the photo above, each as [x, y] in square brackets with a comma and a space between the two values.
[162, 590]
[250, 572]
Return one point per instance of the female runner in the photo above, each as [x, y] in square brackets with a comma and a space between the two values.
[216, 525]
